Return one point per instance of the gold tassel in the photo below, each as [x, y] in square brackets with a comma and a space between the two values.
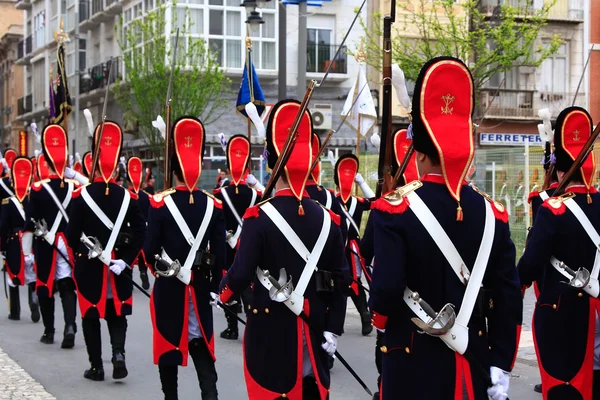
[62, 184]
[300, 209]
[589, 198]
[459, 213]
[106, 191]
[236, 190]
[318, 188]
[191, 198]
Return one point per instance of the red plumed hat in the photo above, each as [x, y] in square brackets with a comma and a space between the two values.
[135, 172]
[238, 155]
[188, 140]
[22, 173]
[401, 145]
[42, 167]
[345, 171]
[87, 164]
[10, 155]
[110, 150]
[54, 147]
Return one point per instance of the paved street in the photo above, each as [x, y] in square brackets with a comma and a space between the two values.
[59, 372]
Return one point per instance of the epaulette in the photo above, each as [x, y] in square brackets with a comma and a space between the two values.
[532, 195]
[77, 191]
[218, 203]
[334, 217]
[134, 195]
[157, 200]
[38, 185]
[5, 201]
[395, 202]
[166, 192]
[557, 204]
[217, 190]
[360, 199]
[253, 212]
[499, 209]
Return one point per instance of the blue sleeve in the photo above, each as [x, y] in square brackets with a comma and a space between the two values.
[539, 248]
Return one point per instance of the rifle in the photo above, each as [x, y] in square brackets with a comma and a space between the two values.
[579, 160]
[402, 167]
[167, 183]
[384, 169]
[96, 156]
[293, 134]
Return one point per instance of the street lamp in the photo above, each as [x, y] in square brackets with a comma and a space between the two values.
[254, 21]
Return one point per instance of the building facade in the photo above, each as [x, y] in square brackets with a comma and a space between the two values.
[221, 23]
[12, 132]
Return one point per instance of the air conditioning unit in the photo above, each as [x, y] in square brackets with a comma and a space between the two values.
[321, 116]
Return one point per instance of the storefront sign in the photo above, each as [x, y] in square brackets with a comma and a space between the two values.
[23, 143]
[509, 139]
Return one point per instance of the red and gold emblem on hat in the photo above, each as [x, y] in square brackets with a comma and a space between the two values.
[401, 145]
[188, 137]
[22, 173]
[576, 134]
[346, 169]
[238, 155]
[54, 143]
[134, 168]
[448, 100]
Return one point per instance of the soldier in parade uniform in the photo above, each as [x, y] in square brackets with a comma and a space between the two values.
[421, 238]
[18, 266]
[345, 175]
[104, 252]
[47, 215]
[182, 221]
[237, 197]
[283, 356]
[135, 172]
[560, 255]
[5, 186]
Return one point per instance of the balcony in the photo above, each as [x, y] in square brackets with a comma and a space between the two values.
[320, 56]
[97, 77]
[23, 5]
[557, 102]
[567, 10]
[24, 51]
[506, 103]
[525, 7]
[563, 10]
[24, 105]
[105, 10]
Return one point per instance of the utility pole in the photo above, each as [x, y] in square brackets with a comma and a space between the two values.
[302, 33]
[77, 77]
[282, 77]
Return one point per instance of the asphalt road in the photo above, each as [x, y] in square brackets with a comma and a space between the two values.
[61, 371]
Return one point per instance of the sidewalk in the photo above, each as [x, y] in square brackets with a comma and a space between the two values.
[15, 383]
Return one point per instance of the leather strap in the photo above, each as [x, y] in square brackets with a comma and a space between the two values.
[6, 188]
[51, 235]
[458, 336]
[296, 301]
[19, 206]
[193, 241]
[593, 286]
[230, 205]
[112, 239]
[439, 236]
[232, 241]
[349, 218]
[96, 209]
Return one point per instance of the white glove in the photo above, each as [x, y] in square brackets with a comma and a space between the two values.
[29, 259]
[330, 344]
[359, 178]
[27, 242]
[72, 174]
[118, 266]
[251, 180]
[500, 382]
[216, 301]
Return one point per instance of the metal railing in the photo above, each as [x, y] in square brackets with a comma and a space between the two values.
[506, 103]
[320, 56]
[21, 49]
[97, 76]
[25, 105]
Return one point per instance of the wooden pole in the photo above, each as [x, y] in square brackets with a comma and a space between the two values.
[357, 151]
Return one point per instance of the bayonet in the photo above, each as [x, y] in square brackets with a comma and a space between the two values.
[167, 165]
[97, 149]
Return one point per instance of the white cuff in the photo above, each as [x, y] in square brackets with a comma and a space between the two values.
[259, 186]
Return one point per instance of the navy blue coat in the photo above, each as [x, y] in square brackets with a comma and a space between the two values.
[91, 275]
[319, 193]
[273, 335]
[169, 304]
[564, 317]
[41, 206]
[11, 224]
[406, 255]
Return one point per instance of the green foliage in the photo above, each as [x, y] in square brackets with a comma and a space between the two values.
[199, 83]
[425, 29]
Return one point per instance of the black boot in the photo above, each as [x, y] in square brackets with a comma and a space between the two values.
[93, 345]
[168, 380]
[117, 328]
[310, 390]
[66, 288]
[144, 279]
[34, 305]
[360, 301]
[538, 388]
[47, 311]
[14, 302]
[205, 369]
[231, 333]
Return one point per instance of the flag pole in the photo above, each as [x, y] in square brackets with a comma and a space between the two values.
[250, 79]
[51, 100]
[357, 150]
[61, 37]
[361, 57]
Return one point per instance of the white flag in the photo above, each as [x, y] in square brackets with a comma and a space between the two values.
[364, 106]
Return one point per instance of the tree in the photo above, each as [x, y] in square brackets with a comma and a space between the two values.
[489, 44]
[199, 83]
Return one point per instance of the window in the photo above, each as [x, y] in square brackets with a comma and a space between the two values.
[39, 29]
[555, 78]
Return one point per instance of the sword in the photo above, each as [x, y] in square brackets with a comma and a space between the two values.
[579, 278]
[170, 269]
[95, 251]
[41, 230]
[4, 272]
[283, 290]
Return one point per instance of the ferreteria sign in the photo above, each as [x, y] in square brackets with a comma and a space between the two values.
[509, 139]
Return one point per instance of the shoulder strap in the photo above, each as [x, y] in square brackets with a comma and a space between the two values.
[112, 239]
[193, 241]
[19, 206]
[65, 203]
[589, 229]
[328, 201]
[286, 230]
[6, 188]
[96, 208]
[439, 236]
[230, 205]
[253, 200]
[544, 195]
